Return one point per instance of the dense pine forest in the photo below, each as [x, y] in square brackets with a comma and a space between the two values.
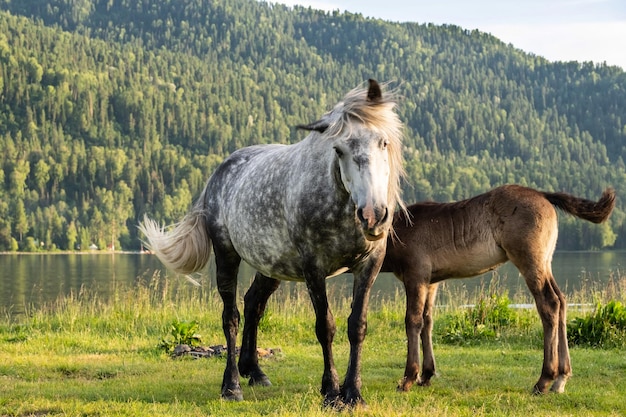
[110, 109]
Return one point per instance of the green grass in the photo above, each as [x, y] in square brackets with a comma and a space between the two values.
[82, 356]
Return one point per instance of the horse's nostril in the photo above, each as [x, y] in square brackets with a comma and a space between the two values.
[384, 219]
[359, 214]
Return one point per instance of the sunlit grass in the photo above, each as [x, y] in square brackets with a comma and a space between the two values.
[83, 355]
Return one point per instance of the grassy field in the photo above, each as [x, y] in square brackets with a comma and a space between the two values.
[83, 356]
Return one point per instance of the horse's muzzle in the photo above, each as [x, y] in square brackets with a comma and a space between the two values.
[373, 221]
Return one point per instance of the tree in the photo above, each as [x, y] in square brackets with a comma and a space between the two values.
[20, 221]
[155, 97]
[72, 236]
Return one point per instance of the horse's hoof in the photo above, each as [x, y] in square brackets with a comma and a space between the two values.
[404, 385]
[559, 384]
[333, 401]
[232, 394]
[351, 398]
[262, 381]
[355, 403]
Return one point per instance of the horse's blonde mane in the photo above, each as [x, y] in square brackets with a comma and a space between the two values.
[378, 115]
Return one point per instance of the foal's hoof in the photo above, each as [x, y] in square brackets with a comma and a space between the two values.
[559, 384]
[404, 385]
[424, 383]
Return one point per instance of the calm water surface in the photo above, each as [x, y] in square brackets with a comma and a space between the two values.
[29, 281]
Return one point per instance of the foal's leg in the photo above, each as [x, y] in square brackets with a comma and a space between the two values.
[227, 267]
[255, 302]
[428, 365]
[565, 367]
[551, 307]
[416, 296]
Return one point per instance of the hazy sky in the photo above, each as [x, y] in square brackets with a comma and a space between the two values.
[559, 30]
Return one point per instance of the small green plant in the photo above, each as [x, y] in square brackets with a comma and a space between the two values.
[18, 333]
[604, 328]
[483, 321]
[181, 333]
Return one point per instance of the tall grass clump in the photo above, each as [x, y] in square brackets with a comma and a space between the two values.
[603, 328]
[490, 318]
[594, 290]
[488, 314]
[598, 319]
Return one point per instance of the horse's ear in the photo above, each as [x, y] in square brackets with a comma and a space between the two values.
[319, 126]
[374, 92]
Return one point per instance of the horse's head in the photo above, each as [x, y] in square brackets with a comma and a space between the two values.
[365, 136]
[363, 164]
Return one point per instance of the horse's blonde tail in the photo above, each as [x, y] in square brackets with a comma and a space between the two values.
[184, 247]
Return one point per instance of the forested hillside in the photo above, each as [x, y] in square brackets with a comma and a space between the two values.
[110, 109]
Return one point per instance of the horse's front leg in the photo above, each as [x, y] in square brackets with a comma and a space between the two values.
[255, 302]
[428, 364]
[416, 296]
[227, 268]
[364, 277]
[325, 329]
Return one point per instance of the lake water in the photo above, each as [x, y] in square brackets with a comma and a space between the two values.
[31, 280]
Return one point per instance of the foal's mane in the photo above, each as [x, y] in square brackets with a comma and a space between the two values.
[377, 115]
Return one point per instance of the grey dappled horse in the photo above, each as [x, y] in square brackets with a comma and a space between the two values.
[305, 212]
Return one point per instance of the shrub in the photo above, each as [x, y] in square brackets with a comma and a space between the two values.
[483, 321]
[604, 328]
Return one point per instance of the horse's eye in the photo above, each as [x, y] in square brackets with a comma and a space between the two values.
[339, 152]
[384, 144]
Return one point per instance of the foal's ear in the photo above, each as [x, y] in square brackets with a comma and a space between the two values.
[374, 93]
[319, 126]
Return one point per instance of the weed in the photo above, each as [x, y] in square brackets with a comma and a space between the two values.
[181, 333]
[483, 321]
[604, 328]
[18, 333]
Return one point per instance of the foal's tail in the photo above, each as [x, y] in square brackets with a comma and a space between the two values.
[593, 211]
[185, 247]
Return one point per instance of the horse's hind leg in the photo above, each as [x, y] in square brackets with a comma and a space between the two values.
[565, 367]
[227, 267]
[255, 302]
[551, 306]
